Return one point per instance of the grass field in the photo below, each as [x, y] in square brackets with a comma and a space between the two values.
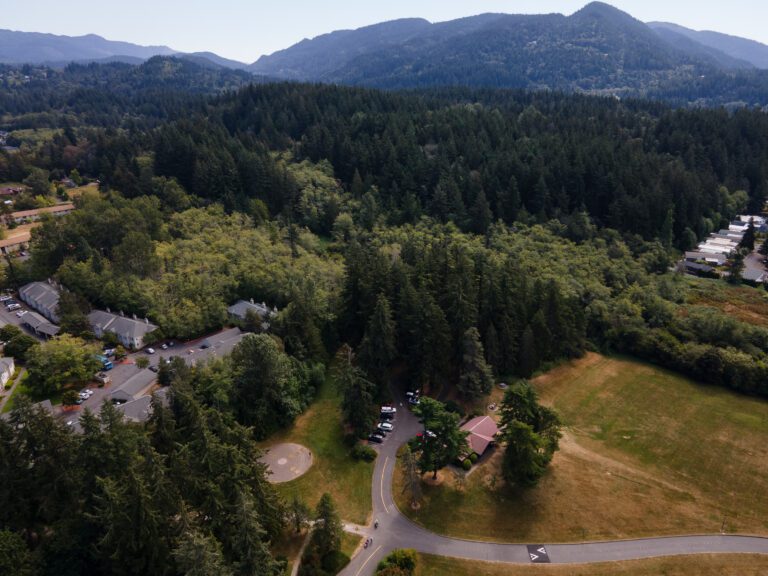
[743, 303]
[334, 471]
[645, 452]
[701, 565]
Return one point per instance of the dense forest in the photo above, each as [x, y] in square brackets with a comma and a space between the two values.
[444, 239]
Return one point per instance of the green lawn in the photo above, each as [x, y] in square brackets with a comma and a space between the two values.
[701, 565]
[19, 389]
[645, 452]
[334, 471]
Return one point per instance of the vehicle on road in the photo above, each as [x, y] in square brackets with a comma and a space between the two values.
[386, 426]
[387, 416]
[106, 363]
[388, 410]
[21, 313]
[150, 350]
[154, 369]
[164, 346]
[376, 438]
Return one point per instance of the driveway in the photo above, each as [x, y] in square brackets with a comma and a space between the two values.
[397, 531]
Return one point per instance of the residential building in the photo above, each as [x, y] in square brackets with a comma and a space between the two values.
[37, 213]
[482, 433]
[7, 366]
[39, 325]
[134, 387]
[711, 259]
[130, 332]
[140, 410]
[43, 297]
[240, 309]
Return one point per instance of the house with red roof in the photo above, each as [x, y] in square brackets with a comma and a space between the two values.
[482, 433]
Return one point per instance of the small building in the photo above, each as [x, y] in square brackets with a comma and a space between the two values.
[7, 367]
[240, 309]
[43, 297]
[711, 259]
[40, 326]
[134, 387]
[37, 213]
[130, 332]
[751, 275]
[140, 410]
[700, 269]
[482, 433]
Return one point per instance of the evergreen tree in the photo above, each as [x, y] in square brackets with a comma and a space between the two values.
[377, 350]
[442, 441]
[200, 555]
[299, 513]
[357, 392]
[529, 358]
[748, 240]
[735, 267]
[326, 536]
[476, 378]
[531, 433]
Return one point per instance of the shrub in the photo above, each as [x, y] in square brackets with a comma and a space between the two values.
[473, 457]
[363, 452]
[401, 561]
[466, 464]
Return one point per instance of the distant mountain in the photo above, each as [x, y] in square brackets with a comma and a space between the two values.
[36, 48]
[211, 59]
[58, 51]
[743, 49]
[597, 49]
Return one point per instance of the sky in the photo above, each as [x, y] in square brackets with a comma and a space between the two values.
[245, 29]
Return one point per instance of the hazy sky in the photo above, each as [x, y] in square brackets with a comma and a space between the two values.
[244, 30]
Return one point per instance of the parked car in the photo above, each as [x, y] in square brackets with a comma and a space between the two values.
[154, 369]
[164, 346]
[21, 313]
[387, 416]
[414, 400]
[5, 297]
[376, 438]
[14, 306]
[388, 410]
[150, 350]
[386, 427]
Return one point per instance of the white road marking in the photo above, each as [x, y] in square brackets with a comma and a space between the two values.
[368, 560]
[381, 485]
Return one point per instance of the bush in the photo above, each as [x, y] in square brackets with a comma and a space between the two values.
[466, 464]
[403, 561]
[473, 457]
[363, 452]
[334, 562]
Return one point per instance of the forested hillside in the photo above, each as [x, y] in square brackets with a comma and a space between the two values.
[445, 238]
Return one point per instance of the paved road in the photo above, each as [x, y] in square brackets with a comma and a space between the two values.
[396, 531]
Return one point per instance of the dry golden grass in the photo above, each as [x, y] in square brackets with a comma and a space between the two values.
[700, 565]
[645, 452]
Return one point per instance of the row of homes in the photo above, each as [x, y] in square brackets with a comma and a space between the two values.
[44, 298]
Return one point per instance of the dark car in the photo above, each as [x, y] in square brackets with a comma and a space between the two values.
[387, 416]
[376, 438]
[154, 369]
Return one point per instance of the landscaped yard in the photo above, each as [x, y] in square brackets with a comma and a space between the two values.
[702, 565]
[645, 452]
[333, 470]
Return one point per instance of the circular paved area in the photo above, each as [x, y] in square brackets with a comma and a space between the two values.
[287, 462]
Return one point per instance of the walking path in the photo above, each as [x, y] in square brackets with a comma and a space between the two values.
[397, 531]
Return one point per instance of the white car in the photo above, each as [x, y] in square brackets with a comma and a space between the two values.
[150, 350]
[386, 426]
[5, 298]
[388, 410]
[21, 313]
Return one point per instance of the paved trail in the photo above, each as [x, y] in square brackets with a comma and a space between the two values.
[397, 531]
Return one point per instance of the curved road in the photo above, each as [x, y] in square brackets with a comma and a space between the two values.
[397, 531]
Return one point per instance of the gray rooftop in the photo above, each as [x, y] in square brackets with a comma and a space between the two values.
[128, 327]
[39, 324]
[42, 293]
[135, 384]
[242, 307]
